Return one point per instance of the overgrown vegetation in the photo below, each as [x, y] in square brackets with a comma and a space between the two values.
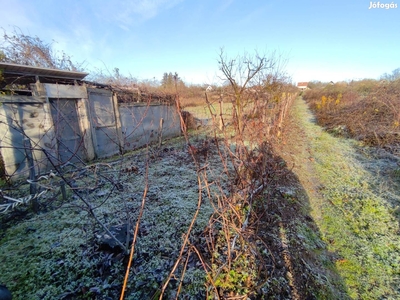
[359, 220]
[216, 213]
[20, 48]
[368, 110]
[354, 201]
[252, 238]
[206, 250]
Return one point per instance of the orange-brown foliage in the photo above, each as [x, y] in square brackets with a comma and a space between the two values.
[367, 110]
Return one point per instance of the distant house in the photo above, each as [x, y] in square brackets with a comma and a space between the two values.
[302, 85]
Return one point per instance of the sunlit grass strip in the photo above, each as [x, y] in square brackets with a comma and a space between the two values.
[203, 112]
[356, 222]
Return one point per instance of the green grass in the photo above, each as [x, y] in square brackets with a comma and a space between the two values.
[354, 217]
[203, 112]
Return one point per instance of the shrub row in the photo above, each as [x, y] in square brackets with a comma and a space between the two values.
[368, 110]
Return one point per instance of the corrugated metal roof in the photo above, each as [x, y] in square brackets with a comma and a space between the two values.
[23, 70]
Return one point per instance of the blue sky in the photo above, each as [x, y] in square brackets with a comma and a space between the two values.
[322, 40]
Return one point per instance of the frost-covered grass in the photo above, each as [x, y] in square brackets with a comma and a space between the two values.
[355, 216]
[55, 254]
[43, 257]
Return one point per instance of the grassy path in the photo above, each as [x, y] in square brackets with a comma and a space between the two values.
[354, 209]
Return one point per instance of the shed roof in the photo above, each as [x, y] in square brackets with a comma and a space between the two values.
[23, 70]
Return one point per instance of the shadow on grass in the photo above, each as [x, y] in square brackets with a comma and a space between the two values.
[300, 266]
[353, 191]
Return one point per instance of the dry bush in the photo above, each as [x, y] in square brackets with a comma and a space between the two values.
[233, 258]
[192, 102]
[193, 95]
[19, 48]
[366, 110]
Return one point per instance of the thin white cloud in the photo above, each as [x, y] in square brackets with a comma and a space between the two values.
[125, 13]
[15, 15]
[78, 42]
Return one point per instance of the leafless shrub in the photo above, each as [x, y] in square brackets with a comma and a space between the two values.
[365, 110]
[242, 141]
[259, 95]
[19, 48]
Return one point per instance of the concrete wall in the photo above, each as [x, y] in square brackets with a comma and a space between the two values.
[76, 124]
[22, 117]
[141, 124]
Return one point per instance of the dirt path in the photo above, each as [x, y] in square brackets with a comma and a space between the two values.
[353, 198]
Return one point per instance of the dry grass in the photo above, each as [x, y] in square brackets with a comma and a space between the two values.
[369, 112]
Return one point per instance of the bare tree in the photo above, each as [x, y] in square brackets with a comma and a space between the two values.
[242, 72]
[391, 77]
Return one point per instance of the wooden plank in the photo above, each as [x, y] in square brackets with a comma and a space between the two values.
[38, 89]
[100, 91]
